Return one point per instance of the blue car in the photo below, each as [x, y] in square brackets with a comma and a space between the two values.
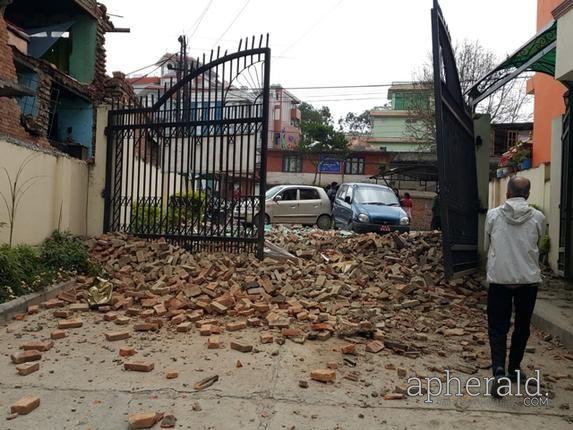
[368, 208]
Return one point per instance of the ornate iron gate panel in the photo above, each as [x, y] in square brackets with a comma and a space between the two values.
[188, 162]
[565, 262]
[456, 156]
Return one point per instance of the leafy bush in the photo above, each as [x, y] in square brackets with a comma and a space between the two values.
[148, 218]
[63, 251]
[18, 266]
[25, 269]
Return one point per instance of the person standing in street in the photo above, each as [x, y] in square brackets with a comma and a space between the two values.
[331, 192]
[512, 232]
[407, 204]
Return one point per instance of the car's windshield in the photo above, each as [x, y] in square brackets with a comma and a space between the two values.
[272, 192]
[377, 196]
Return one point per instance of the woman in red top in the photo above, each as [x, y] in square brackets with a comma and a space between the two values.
[406, 204]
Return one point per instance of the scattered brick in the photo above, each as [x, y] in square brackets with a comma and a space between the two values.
[323, 375]
[393, 396]
[266, 337]
[214, 342]
[62, 313]
[110, 316]
[241, 346]
[43, 346]
[205, 330]
[374, 346]
[112, 336]
[127, 351]
[26, 356]
[171, 374]
[234, 326]
[145, 326]
[184, 327]
[178, 319]
[66, 324]
[143, 420]
[121, 320]
[57, 334]
[348, 349]
[139, 366]
[33, 309]
[27, 368]
[160, 309]
[25, 405]
[79, 307]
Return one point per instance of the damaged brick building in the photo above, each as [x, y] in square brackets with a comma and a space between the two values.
[53, 72]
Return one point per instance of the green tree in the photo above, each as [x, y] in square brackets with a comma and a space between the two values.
[318, 136]
[356, 124]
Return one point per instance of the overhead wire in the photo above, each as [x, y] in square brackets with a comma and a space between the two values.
[312, 27]
[195, 27]
[232, 23]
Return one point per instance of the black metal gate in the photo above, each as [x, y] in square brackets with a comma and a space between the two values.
[565, 262]
[188, 161]
[456, 157]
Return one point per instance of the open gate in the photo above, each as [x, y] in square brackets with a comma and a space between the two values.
[188, 162]
[458, 193]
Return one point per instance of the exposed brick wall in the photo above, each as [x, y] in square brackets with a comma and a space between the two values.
[421, 213]
[9, 109]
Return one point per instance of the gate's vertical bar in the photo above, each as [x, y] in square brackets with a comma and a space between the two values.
[110, 133]
[264, 143]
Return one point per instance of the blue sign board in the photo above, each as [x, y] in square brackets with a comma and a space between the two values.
[328, 165]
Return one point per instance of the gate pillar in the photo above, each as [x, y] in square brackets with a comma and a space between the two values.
[482, 132]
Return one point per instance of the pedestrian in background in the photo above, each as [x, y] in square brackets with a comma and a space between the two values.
[512, 232]
[407, 204]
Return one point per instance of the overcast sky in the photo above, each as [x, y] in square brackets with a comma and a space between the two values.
[318, 42]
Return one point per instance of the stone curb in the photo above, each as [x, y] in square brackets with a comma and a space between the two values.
[20, 305]
[545, 318]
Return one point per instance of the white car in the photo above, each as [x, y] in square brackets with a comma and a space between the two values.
[294, 204]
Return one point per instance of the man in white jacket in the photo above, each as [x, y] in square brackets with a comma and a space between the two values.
[512, 233]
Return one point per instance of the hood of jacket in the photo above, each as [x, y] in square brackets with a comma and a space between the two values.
[516, 210]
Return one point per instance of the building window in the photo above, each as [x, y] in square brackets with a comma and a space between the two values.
[354, 166]
[512, 137]
[292, 163]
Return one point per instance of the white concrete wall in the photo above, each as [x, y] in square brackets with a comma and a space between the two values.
[57, 197]
[540, 188]
[564, 61]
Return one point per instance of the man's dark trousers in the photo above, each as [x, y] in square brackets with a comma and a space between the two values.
[499, 309]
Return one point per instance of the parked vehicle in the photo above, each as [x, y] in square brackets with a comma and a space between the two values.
[368, 208]
[295, 204]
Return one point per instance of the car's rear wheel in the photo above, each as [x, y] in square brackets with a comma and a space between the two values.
[324, 222]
